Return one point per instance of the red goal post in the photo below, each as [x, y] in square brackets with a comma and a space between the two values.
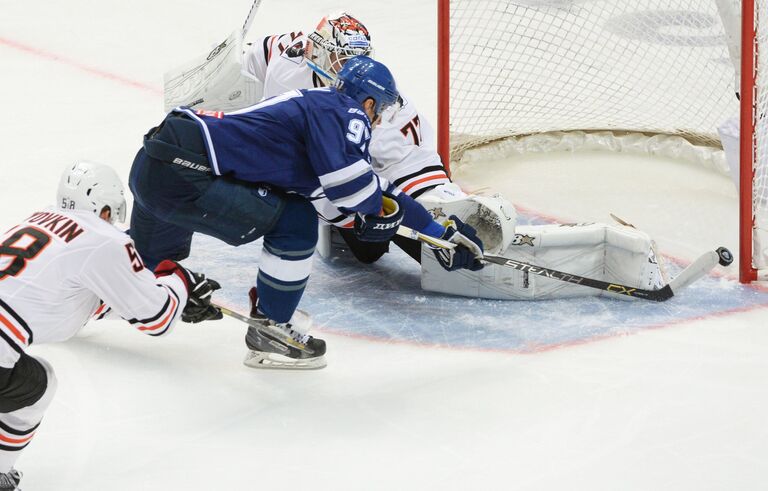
[748, 144]
[665, 69]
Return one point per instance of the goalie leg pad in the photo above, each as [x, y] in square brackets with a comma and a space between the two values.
[604, 252]
[493, 217]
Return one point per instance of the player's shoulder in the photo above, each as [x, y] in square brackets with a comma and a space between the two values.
[288, 46]
[331, 99]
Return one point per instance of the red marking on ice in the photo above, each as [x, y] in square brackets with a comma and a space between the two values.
[98, 72]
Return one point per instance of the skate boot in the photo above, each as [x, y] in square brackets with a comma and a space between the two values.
[282, 345]
[10, 481]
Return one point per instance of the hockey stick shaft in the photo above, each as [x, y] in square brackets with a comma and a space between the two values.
[249, 19]
[664, 293]
[261, 327]
[694, 271]
[410, 233]
[233, 314]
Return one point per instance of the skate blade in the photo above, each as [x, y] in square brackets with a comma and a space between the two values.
[260, 359]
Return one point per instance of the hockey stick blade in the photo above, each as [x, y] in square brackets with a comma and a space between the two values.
[262, 328]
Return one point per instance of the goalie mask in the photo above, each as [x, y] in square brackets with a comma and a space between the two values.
[90, 186]
[336, 39]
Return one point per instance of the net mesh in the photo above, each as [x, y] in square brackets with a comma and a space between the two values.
[529, 67]
[760, 159]
[532, 66]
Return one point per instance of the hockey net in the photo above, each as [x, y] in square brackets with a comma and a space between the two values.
[647, 74]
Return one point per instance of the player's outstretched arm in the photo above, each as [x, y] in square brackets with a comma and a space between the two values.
[198, 307]
[116, 273]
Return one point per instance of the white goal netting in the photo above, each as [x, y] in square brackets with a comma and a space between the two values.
[760, 159]
[534, 66]
[605, 70]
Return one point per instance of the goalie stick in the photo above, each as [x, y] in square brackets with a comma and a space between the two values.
[693, 272]
[249, 19]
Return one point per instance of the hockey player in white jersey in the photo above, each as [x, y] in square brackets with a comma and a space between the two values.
[61, 267]
[403, 151]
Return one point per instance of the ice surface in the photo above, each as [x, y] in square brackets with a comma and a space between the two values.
[413, 396]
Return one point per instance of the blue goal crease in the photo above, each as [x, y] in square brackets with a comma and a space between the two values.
[385, 301]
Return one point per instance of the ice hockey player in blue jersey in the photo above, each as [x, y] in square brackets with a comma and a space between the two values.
[251, 173]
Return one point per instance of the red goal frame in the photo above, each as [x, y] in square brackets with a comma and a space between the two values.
[750, 51]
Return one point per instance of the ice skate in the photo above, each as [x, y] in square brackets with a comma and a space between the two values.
[282, 345]
[10, 481]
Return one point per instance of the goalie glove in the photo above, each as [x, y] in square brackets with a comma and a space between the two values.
[199, 290]
[380, 228]
[468, 251]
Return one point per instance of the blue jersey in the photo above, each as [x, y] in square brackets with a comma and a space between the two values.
[310, 142]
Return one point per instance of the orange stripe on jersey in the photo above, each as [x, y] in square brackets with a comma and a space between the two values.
[100, 309]
[13, 329]
[412, 184]
[17, 441]
[271, 43]
[163, 322]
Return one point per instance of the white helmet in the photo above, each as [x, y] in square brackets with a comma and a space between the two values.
[91, 186]
[337, 38]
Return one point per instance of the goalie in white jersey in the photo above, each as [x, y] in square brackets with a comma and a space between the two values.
[58, 269]
[403, 151]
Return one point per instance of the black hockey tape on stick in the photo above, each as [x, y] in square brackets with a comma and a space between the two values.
[693, 272]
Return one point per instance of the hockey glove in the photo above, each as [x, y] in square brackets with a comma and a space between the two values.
[380, 228]
[468, 250]
[199, 289]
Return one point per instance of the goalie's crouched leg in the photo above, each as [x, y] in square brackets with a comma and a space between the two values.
[26, 390]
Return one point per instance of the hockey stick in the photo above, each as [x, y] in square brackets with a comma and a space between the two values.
[249, 19]
[263, 327]
[693, 272]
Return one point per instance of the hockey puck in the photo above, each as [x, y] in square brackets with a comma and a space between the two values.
[726, 258]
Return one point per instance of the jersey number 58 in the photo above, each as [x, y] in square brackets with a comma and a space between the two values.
[21, 246]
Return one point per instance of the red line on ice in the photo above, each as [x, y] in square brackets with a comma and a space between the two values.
[51, 56]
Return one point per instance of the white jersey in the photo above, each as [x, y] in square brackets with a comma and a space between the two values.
[58, 269]
[402, 146]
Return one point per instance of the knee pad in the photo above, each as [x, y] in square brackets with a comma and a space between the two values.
[25, 383]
